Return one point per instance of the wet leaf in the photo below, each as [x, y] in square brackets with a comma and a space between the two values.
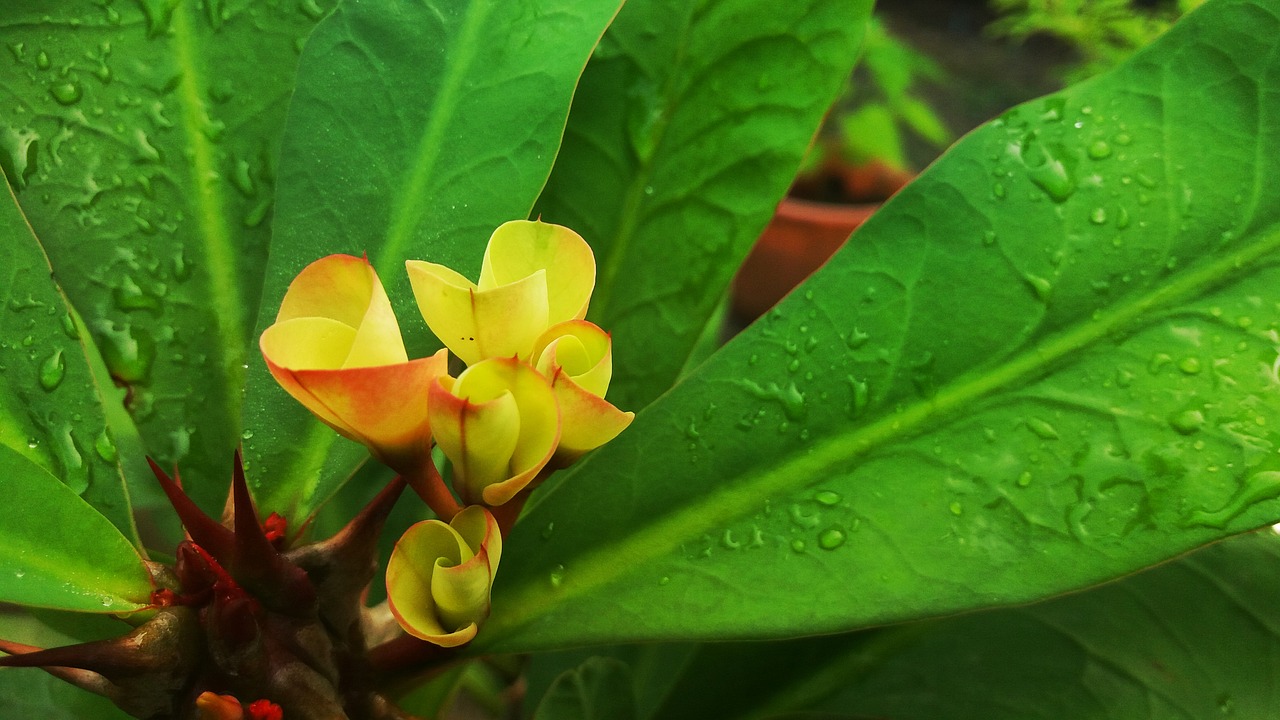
[689, 124]
[55, 411]
[93, 569]
[993, 394]
[140, 138]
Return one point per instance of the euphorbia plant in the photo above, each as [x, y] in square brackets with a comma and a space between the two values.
[1047, 364]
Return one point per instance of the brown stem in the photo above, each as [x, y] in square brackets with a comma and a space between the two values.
[431, 488]
[405, 652]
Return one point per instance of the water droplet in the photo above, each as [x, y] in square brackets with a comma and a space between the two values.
[128, 295]
[1049, 167]
[557, 576]
[1041, 429]
[999, 191]
[52, 370]
[74, 472]
[797, 546]
[69, 327]
[19, 155]
[802, 518]
[728, 542]
[1122, 219]
[861, 395]
[19, 573]
[790, 397]
[159, 14]
[1123, 138]
[1189, 365]
[1259, 487]
[1098, 216]
[831, 538]
[242, 179]
[664, 580]
[989, 237]
[66, 93]
[857, 339]
[311, 9]
[827, 497]
[956, 508]
[128, 352]
[105, 448]
[1187, 422]
[1099, 149]
[1024, 479]
[1042, 287]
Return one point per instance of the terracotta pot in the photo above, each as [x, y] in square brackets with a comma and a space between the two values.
[804, 234]
[801, 237]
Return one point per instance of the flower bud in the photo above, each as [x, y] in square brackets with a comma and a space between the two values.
[439, 576]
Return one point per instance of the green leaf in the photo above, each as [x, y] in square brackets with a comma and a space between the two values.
[33, 693]
[416, 129]
[689, 124]
[93, 569]
[1193, 639]
[599, 689]
[55, 411]
[1004, 387]
[141, 141]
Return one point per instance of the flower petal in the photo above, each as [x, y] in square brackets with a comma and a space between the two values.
[346, 289]
[383, 407]
[439, 576]
[478, 323]
[472, 412]
[579, 349]
[520, 248]
[587, 420]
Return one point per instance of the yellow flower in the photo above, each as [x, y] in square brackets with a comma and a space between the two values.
[498, 423]
[439, 576]
[534, 275]
[336, 348]
[577, 357]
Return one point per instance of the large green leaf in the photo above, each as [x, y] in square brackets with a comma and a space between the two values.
[93, 569]
[1195, 639]
[54, 411]
[600, 689]
[416, 129]
[1049, 362]
[140, 137]
[690, 123]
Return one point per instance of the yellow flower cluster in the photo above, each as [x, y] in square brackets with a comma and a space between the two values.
[530, 400]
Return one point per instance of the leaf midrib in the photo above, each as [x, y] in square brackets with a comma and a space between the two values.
[603, 564]
[210, 213]
[411, 202]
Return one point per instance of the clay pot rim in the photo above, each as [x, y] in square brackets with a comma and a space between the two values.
[826, 214]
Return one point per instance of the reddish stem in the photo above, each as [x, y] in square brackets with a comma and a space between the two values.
[431, 488]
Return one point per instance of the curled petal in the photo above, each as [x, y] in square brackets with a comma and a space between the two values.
[498, 423]
[520, 248]
[336, 348]
[439, 576]
[345, 290]
[478, 323]
[578, 349]
[578, 358]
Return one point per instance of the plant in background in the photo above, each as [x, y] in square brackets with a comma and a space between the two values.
[1048, 364]
[1103, 33]
[863, 144]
